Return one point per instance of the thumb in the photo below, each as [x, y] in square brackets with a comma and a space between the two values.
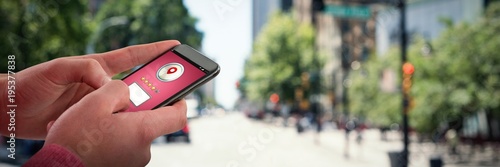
[110, 98]
[160, 121]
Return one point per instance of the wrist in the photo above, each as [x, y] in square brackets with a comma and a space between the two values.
[54, 155]
[67, 147]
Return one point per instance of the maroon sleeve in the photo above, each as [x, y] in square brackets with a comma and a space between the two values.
[54, 156]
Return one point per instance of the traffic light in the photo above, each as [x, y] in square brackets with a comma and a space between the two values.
[408, 70]
[275, 98]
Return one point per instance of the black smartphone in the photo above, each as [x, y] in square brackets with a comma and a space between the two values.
[169, 77]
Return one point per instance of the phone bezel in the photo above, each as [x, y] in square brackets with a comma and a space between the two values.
[196, 59]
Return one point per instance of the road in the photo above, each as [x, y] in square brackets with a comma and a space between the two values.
[235, 141]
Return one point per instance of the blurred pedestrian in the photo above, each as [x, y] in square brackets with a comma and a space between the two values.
[348, 127]
[299, 114]
[285, 113]
[317, 115]
[360, 128]
[452, 141]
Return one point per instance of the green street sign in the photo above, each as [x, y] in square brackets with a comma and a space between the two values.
[357, 12]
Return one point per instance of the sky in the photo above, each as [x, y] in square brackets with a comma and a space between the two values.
[226, 25]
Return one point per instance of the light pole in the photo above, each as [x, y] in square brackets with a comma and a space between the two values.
[406, 141]
[109, 22]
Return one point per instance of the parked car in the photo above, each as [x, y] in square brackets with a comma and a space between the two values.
[192, 104]
[177, 136]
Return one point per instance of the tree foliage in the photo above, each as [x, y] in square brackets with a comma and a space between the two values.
[461, 76]
[283, 60]
[365, 95]
[148, 21]
[37, 31]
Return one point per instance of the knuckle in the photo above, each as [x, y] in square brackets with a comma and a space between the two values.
[121, 87]
[117, 84]
[91, 64]
[119, 91]
[121, 94]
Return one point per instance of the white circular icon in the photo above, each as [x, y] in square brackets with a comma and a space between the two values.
[170, 72]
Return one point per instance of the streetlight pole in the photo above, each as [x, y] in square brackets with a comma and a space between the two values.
[405, 101]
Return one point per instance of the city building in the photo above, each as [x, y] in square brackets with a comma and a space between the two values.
[346, 40]
[423, 19]
[262, 11]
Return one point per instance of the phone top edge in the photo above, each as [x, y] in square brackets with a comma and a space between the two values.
[196, 57]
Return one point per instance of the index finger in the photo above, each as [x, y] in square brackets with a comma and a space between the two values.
[120, 60]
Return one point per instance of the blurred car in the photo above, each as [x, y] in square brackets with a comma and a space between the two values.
[183, 134]
[177, 136]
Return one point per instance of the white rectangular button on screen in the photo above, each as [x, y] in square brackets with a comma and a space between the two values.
[137, 94]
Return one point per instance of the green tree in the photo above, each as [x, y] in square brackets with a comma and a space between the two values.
[283, 60]
[366, 98]
[37, 31]
[147, 21]
[460, 77]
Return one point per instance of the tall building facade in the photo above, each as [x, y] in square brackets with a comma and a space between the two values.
[345, 40]
[423, 19]
[262, 11]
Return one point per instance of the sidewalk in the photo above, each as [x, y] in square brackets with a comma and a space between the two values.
[373, 150]
[469, 156]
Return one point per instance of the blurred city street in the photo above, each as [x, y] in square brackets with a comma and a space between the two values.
[227, 141]
[235, 141]
[295, 83]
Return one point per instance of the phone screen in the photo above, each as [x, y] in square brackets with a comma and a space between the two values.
[159, 80]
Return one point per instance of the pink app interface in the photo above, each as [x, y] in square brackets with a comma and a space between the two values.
[160, 80]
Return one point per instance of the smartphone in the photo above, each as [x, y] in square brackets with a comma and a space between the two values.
[168, 78]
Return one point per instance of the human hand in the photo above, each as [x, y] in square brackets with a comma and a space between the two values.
[45, 91]
[100, 138]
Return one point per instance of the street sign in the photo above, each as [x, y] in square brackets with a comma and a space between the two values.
[357, 12]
